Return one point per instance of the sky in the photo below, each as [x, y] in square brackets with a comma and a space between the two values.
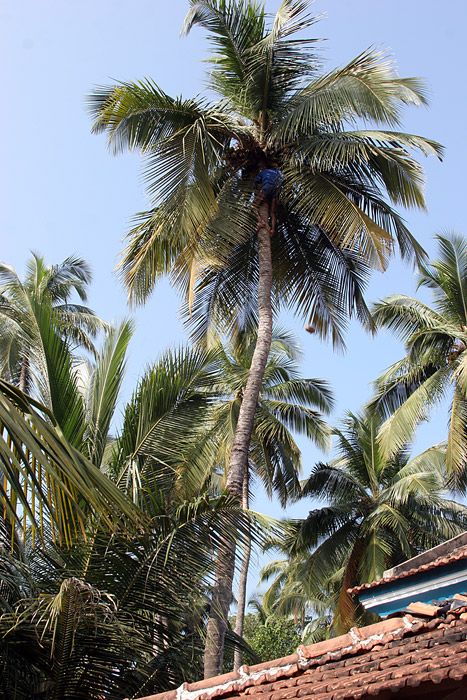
[63, 193]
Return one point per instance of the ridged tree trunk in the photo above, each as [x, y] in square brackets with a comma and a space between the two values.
[24, 375]
[222, 594]
[241, 598]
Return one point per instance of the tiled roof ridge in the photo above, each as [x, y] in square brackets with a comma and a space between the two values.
[358, 639]
[456, 555]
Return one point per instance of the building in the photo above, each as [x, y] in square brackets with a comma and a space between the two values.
[418, 649]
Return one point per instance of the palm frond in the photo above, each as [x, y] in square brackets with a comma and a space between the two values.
[400, 426]
[44, 479]
[102, 394]
[366, 88]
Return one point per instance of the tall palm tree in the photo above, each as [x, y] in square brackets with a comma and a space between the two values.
[286, 402]
[25, 304]
[378, 511]
[203, 161]
[435, 364]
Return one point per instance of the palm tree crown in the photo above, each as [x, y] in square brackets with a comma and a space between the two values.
[29, 307]
[436, 355]
[288, 402]
[192, 398]
[379, 511]
[202, 160]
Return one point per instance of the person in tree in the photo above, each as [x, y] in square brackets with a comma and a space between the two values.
[268, 180]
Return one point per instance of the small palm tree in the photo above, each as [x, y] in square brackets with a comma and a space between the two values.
[26, 307]
[435, 364]
[379, 511]
[116, 616]
[330, 217]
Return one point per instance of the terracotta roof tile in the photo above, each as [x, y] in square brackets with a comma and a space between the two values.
[456, 555]
[387, 656]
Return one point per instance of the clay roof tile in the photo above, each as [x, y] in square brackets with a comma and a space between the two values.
[387, 655]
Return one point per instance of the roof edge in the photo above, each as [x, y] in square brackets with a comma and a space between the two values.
[429, 556]
[356, 640]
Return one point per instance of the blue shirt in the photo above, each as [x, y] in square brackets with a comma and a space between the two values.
[270, 180]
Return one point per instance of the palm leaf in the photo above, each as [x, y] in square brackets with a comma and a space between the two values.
[44, 477]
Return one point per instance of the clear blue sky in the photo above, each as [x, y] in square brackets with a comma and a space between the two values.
[63, 193]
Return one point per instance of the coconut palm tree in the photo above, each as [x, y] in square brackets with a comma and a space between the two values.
[378, 511]
[275, 113]
[116, 616]
[25, 307]
[435, 364]
[287, 402]
[206, 389]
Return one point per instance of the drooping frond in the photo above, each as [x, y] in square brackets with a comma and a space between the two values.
[399, 428]
[435, 341]
[44, 480]
[447, 278]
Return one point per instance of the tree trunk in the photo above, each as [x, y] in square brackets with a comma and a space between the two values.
[220, 604]
[241, 600]
[222, 595]
[23, 380]
[246, 416]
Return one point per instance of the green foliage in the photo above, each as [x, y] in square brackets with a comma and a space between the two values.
[377, 512]
[115, 616]
[115, 600]
[179, 426]
[275, 638]
[265, 636]
[436, 356]
[333, 221]
[46, 481]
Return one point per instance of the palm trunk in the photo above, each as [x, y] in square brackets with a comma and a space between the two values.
[24, 375]
[246, 416]
[345, 613]
[222, 595]
[241, 600]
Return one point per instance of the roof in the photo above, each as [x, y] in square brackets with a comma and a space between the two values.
[396, 574]
[429, 555]
[391, 655]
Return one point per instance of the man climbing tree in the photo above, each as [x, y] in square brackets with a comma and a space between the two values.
[334, 222]
[269, 180]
